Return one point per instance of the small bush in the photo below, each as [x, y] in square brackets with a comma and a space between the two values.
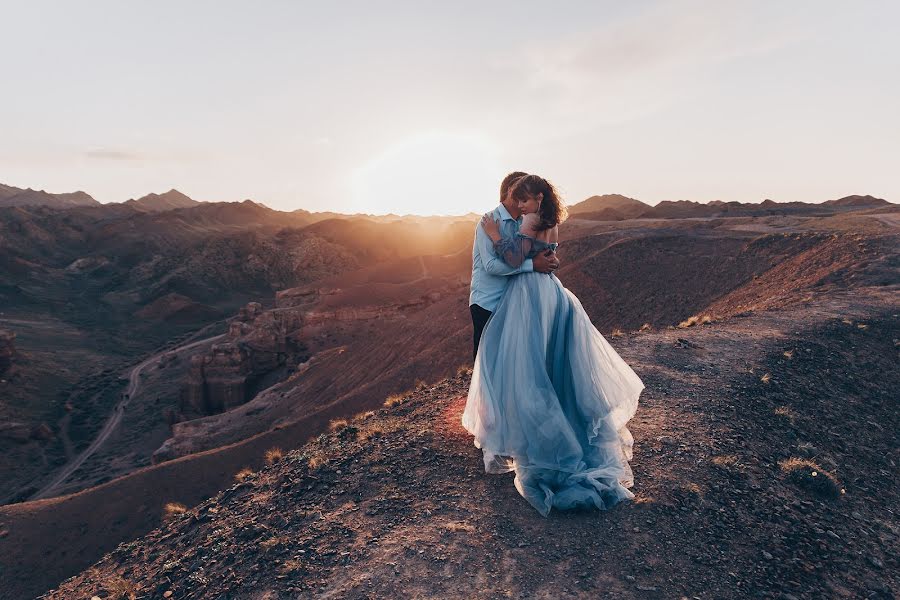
[291, 565]
[367, 432]
[785, 412]
[173, 510]
[810, 476]
[337, 424]
[119, 588]
[243, 474]
[725, 461]
[766, 378]
[689, 322]
[617, 332]
[269, 544]
[273, 455]
[646, 327]
[394, 400]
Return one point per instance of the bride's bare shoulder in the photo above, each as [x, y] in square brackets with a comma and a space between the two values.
[530, 224]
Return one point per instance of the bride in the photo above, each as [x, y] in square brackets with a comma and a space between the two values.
[549, 398]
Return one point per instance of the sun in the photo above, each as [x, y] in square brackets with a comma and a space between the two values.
[430, 174]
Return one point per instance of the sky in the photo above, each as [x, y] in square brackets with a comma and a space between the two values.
[422, 107]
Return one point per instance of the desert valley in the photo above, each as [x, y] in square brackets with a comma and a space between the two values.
[219, 399]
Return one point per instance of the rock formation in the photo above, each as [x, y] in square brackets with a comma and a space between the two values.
[259, 343]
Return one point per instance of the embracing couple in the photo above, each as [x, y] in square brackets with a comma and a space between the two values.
[549, 398]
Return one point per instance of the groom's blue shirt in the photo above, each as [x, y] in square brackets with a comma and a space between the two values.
[490, 274]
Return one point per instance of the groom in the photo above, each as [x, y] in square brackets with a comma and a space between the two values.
[489, 273]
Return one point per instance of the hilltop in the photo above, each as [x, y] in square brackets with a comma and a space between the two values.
[13, 196]
[160, 202]
[615, 207]
[394, 502]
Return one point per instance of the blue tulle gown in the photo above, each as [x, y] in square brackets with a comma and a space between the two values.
[550, 398]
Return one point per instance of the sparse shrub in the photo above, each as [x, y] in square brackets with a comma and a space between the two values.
[786, 412]
[862, 326]
[688, 494]
[788, 354]
[269, 544]
[689, 322]
[617, 332]
[646, 327]
[766, 378]
[291, 565]
[394, 400]
[463, 371]
[273, 455]
[458, 526]
[173, 510]
[367, 432]
[337, 424]
[725, 461]
[810, 476]
[420, 384]
[315, 462]
[243, 474]
[119, 588]
[695, 320]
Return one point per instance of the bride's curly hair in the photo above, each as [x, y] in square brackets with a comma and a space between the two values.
[552, 211]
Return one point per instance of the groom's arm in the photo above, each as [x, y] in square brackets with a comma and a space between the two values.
[493, 264]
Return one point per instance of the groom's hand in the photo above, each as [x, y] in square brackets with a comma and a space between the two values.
[545, 262]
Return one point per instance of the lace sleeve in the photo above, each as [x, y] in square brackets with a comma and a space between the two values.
[514, 250]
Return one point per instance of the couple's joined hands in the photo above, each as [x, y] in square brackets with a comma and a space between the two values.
[545, 262]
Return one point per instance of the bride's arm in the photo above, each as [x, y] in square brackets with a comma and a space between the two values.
[500, 257]
[513, 250]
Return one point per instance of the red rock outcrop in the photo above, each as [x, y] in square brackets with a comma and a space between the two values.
[258, 344]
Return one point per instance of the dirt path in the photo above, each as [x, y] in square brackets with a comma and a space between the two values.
[112, 422]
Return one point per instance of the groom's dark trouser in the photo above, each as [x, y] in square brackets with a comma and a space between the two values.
[480, 318]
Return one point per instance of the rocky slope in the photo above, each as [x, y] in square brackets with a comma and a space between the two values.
[395, 503]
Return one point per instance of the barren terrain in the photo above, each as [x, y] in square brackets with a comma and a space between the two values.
[761, 338]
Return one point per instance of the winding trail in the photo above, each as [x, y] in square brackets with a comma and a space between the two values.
[112, 422]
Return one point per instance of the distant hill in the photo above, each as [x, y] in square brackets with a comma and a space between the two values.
[609, 207]
[13, 196]
[160, 202]
[615, 207]
[857, 200]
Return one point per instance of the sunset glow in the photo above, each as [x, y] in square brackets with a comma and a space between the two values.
[423, 109]
[430, 174]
